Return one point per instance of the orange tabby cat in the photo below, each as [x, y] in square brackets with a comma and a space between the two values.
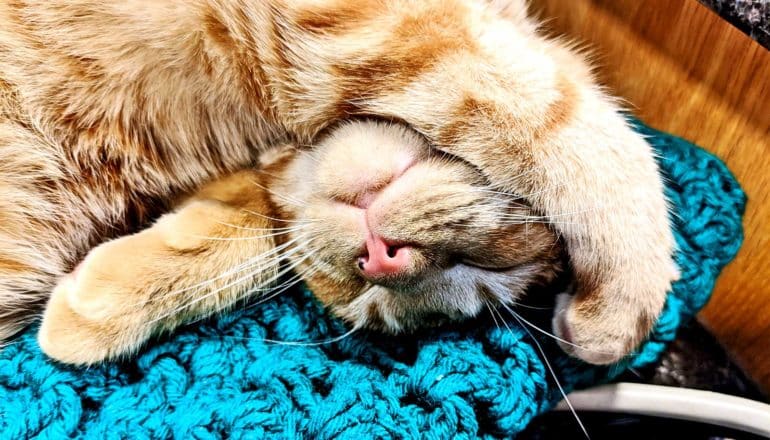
[387, 233]
[109, 109]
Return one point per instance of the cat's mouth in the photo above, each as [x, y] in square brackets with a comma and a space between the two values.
[429, 268]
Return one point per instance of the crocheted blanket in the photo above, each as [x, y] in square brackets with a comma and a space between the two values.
[222, 379]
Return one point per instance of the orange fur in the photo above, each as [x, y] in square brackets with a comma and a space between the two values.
[111, 110]
[232, 234]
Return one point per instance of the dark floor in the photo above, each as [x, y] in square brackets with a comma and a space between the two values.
[604, 426]
[750, 16]
[696, 360]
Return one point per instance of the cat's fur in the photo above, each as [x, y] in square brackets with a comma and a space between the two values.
[469, 248]
[107, 110]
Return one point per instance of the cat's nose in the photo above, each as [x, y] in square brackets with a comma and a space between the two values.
[384, 260]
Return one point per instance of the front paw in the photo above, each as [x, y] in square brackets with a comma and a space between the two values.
[604, 327]
[94, 313]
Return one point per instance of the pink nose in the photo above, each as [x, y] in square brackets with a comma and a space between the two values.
[382, 260]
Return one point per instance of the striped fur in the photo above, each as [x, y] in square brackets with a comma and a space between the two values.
[110, 110]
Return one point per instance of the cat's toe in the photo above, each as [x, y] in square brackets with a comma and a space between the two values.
[85, 322]
[598, 335]
[68, 337]
[101, 288]
[589, 346]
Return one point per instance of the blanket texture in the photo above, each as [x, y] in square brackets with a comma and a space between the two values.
[221, 379]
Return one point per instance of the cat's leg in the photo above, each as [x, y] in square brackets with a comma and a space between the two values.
[196, 260]
[564, 145]
[527, 113]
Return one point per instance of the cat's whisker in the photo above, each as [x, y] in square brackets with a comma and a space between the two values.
[561, 214]
[246, 238]
[314, 343]
[545, 190]
[510, 197]
[527, 196]
[636, 372]
[525, 306]
[277, 290]
[490, 204]
[491, 313]
[502, 318]
[209, 294]
[498, 205]
[507, 222]
[266, 173]
[295, 279]
[547, 363]
[273, 290]
[518, 317]
[512, 301]
[522, 217]
[498, 219]
[555, 377]
[491, 224]
[283, 197]
[279, 220]
[504, 222]
[493, 204]
[301, 343]
[250, 262]
[512, 180]
[246, 228]
[283, 256]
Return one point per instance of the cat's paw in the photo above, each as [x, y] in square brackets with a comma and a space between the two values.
[592, 336]
[133, 287]
[94, 313]
[604, 327]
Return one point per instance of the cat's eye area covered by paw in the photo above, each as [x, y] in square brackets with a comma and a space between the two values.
[389, 233]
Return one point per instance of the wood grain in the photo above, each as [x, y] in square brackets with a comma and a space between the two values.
[688, 72]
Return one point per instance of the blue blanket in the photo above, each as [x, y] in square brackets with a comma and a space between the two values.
[220, 379]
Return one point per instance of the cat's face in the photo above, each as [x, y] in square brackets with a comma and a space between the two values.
[393, 236]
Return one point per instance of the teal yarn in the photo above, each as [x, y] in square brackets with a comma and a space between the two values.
[220, 379]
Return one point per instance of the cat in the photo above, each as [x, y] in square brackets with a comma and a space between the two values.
[110, 112]
[388, 234]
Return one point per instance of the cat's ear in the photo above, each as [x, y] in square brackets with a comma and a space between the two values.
[199, 259]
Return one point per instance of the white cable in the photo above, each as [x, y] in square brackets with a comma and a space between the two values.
[675, 403]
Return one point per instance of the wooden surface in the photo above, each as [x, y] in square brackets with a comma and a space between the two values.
[688, 72]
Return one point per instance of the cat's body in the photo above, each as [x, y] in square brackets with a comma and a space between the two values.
[110, 111]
